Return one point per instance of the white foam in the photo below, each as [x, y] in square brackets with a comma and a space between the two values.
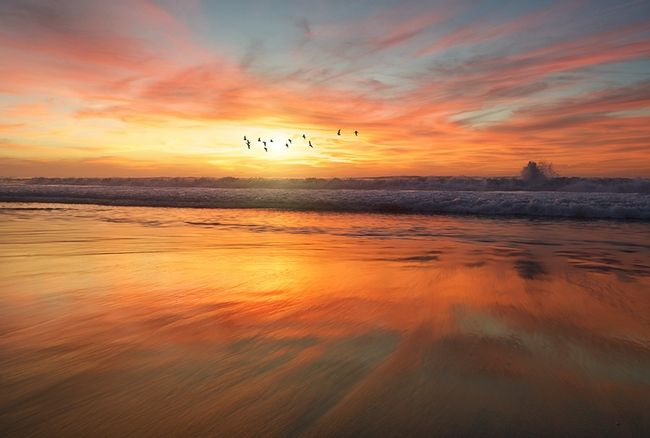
[456, 183]
[520, 203]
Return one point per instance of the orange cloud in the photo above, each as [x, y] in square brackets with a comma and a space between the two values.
[132, 75]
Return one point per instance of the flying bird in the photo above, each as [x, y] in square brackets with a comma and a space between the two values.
[304, 136]
[264, 143]
[310, 145]
[259, 139]
[271, 140]
[338, 133]
[289, 140]
[356, 133]
[286, 144]
[245, 139]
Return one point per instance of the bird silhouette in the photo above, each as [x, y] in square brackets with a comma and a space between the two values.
[304, 136]
[310, 145]
[248, 144]
[271, 140]
[289, 140]
[286, 144]
[264, 144]
[259, 139]
[245, 139]
[266, 149]
[356, 133]
[338, 133]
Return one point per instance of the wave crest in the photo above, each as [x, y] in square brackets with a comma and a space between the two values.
[512, 203]
[440, 183]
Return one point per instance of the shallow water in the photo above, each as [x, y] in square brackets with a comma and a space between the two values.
[162, 321]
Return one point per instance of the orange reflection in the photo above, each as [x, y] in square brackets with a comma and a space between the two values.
[201, 321]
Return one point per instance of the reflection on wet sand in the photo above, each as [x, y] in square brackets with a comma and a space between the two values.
[202, 322]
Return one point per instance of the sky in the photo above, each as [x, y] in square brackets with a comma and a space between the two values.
[169, 88]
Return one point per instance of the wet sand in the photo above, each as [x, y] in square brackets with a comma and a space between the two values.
[158, 321]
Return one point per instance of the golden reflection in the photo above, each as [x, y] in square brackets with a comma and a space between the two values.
[201, 322]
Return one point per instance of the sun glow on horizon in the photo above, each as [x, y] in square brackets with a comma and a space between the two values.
[157, 88]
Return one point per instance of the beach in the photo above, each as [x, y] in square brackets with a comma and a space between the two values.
[154, 321]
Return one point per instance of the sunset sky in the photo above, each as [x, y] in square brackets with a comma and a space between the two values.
[169, 88]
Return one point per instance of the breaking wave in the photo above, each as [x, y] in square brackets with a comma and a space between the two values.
[438, 183]
[534, 203]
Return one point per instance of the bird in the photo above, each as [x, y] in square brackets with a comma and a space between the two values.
[286, 144]
[259, 139]
[304, 136]
[271, 140]
[248, 143]
[310, 145]
[264, 144]
[265, 148]
[356, 133]
[289, 140]
[338, 133]
[245, 139]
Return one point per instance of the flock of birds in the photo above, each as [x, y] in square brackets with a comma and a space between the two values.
[288, 142]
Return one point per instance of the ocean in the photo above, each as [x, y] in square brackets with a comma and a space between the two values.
[300, 311]
[590, 198]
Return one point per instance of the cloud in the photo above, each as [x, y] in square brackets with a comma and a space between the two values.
[503, 86]
[590, 109]
[487, 29]
[10, 126]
